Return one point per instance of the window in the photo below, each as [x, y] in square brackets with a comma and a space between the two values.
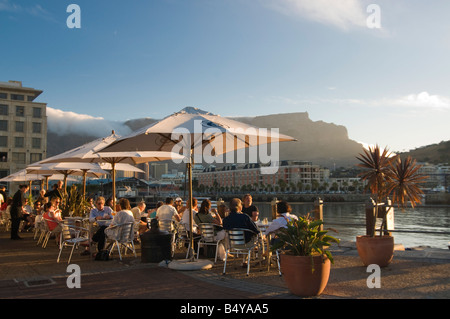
[18, 158]
[3, 141]
[37, 112]
[37, 127]
[30, 98]
[3, 109]
[17, 97]
[35, 157]
[20, 110]
[20, 126]
[36, 142]
[3, 156]
[3, 96]
[19, 142]
[3, 125]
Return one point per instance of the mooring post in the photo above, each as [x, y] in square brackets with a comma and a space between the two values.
[273, 204]
[318, 210]
[370, 217]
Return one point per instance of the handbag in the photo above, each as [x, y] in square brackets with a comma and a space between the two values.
[102, 255]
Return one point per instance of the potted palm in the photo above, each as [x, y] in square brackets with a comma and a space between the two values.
[386, 176]
[74, 204]
[304, 258]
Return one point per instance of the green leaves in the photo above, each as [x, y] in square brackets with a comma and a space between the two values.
[303, 237]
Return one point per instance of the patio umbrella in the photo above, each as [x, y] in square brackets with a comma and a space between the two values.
[87, 153]
[66, 169]
[194, 131]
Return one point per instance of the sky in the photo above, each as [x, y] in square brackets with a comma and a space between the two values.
[379, 68]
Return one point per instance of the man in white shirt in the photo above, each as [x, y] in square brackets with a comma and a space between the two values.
[167, 211]
[283, 210]
[185, 217]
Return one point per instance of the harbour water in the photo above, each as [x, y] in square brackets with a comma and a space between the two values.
[344, 217]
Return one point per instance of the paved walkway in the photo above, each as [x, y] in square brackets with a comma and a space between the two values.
[30, 271]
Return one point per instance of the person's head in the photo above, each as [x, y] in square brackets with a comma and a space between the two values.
[169, 201]
[205, 207]
[42, 192]
[141, 206]
[48, 206]
[236, 205]
[159, 204]
[100, 203]
[247, 200]
[55, 201]
[283, 207]
[60, 184]
[194, 203]
[23, 188]
[2, 188]
[178, 201]
[37, 205]
[124, 204]
[91, 201]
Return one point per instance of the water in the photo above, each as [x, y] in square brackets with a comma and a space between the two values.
[424, 218]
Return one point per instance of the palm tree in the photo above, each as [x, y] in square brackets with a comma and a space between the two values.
[388, 175]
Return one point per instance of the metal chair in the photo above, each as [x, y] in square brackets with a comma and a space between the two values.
[121, 235]
[208, 238]
[181, 238]
[48, 233]
[70, 236]
[237, 245]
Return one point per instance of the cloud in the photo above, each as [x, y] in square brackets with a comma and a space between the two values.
[35, 10]
[422, 100]
[343, 14]
[63, 122]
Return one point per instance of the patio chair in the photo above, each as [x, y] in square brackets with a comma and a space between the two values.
[71, 237]
[208, 238]
[122, 236]
[48, 233]
[182, 237]
[237, 245]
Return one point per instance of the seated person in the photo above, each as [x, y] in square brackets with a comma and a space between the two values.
[248, 207]
[123, 216]
[140, 215]
[185, 217]
[53, 218]
[284, 216]
[167, 211]
[236, 219]
[101, 212]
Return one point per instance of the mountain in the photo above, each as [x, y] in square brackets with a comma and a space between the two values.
[322, 143]
[433, 154]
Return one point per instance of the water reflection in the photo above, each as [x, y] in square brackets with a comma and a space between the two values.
[418, 219]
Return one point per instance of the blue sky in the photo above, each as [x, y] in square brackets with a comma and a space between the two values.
[140, 58]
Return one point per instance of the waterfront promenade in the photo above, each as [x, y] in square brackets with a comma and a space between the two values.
[30, 271]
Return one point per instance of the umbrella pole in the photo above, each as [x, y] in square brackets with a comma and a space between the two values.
[113, 176]
[191, 218]
[84, 183]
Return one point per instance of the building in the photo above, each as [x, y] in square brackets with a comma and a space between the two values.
[158, 169]
[23, 127]
[290, 174]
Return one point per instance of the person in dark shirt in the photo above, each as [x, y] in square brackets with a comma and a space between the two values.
[57, 191]
[236, 219]
[248, 208]
[17, 210]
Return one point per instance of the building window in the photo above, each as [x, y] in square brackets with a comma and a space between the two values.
[37, 127]
[37, 112]
[18, 158]
[30, 98]
[35, 157]
[20, 110]
[3, 109]
[36, 142]
[3, 141]
[3, 156]
[3, 125]
[17, 97]
[20, 126]
[4, 96]
[19, 142]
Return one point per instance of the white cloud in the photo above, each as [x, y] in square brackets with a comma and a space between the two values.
[63, 122]
[422, 100]
[340, 13]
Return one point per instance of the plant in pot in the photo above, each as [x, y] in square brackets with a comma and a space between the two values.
[304, 258]
[386, 175]
[74, 204]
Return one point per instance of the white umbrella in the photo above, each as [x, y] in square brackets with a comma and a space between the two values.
[194, 133]
[87, 153]
[66, 169]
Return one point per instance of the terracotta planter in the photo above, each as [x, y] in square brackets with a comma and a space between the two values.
[298, 275]
[377, 250]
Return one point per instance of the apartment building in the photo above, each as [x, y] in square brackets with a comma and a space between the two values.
[23, 127]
